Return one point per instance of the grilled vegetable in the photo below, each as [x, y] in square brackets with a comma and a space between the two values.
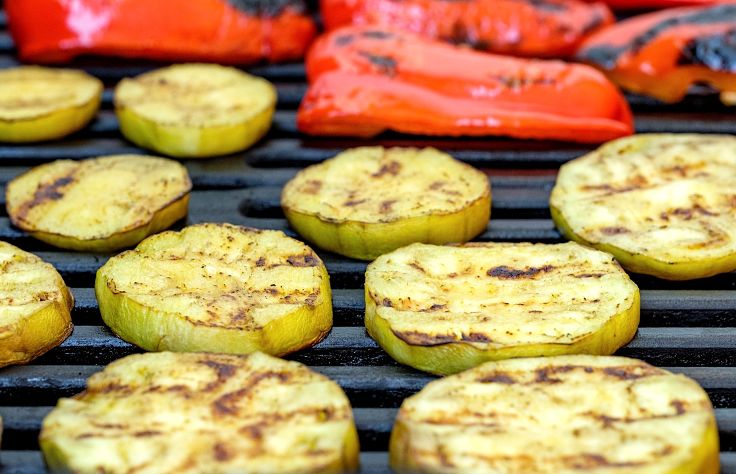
[38, 103]
[550, 28]
[445, 309]
[195, 110]
[35, 305]
[223, 31]
[101, 204]
[197, 413]
[662, 54]
[663, 205]
[367, 80]
[217, 288]
[563, 415]
[640, 4]
[369, 201]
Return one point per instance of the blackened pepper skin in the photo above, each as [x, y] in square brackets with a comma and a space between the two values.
[662, 54]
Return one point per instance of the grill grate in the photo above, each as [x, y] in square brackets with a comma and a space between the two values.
[689, 326]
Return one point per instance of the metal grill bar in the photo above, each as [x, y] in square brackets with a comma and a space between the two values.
[690, 326]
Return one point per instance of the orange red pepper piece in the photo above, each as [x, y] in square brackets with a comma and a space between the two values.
[225, 31]
[662, 54]
[538, 28]
[365, 80]
[651, 4]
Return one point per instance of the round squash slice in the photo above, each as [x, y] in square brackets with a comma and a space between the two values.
[195, 110]
[38, 103]
[35, 306]
[558, 415]
[101, 204]
[664, 205]
[443, 309]
[369, 201]
[217, 288]
[165, 412]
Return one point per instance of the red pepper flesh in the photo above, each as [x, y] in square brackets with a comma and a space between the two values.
[651, 4]
[539, 28]
[225, 31]
[662, 54]
[366, 80]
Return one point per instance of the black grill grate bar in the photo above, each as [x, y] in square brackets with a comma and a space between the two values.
[660, 308]
[383, 387]
[22, 425]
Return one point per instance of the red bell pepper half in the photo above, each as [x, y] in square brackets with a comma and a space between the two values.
[225, 31]
[651, 4]
[366, 80]
[662, 54]
[540, 28]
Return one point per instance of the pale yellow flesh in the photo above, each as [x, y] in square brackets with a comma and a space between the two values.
[664, 205]
[167, 412]
[101, 204]
[39, 103]
[195, 110]
[443, 309]
[372, 200]
[558, 415]
[217, 288]
[35, 306]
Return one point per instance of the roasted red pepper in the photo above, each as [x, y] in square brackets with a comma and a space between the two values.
[226, 31]
[649, 4]
[540, 28]
[365, 80]
[662, 54]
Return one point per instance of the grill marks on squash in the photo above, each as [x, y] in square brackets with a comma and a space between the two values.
[557, 414]
[45, 192]
[205, 410]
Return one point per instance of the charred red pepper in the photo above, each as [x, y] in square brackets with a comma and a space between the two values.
[366, 80]
[540, 28]
[649, 4]
[225, 31]
[662, 54]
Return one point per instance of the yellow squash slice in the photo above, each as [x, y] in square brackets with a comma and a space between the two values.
[369, 201]
[38, 103]
[35, 306]
[195, 110]
[217, 288]
[558, 415]
[664, 205]
[101, 204]
[443, 309]
[166, 412]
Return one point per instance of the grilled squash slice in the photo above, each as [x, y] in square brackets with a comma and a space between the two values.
[202, 413]
[35, 306]
[101, 204]
[664, 205]
[195, 110]
[217, 288]
[558, 415]
[446, 309]
[38, 103]
[369, 201]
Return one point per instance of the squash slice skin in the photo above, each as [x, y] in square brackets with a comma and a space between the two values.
[58, 117]
[682, 226]
[196, 128]
[27, 336]
[441, 354]
[429, 438]
[199, 412]
[367, 226]
[153, 327]
[36, 194]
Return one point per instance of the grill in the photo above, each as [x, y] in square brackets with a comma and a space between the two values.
[689, 327]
